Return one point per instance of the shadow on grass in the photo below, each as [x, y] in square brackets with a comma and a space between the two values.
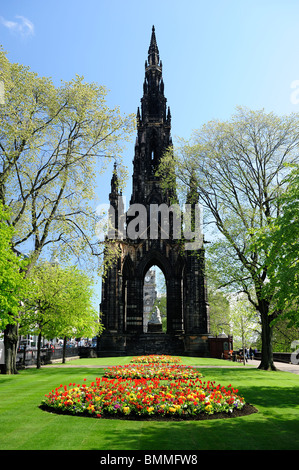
[260, 388]
[227, 434]
[274, 427]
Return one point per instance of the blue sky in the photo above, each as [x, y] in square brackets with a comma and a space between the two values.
[216, 54]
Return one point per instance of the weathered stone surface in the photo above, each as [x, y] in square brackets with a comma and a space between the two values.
[122, 303]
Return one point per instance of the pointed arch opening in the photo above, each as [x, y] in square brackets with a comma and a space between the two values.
[154, 300]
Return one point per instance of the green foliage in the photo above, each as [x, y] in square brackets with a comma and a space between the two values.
[60, 303]
[244, 320]
[284, 335]
[219, 313]
[280, 241]
[12, 281]
[239, 168]
[54, 142]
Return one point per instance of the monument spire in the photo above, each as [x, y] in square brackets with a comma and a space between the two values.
[138, 247]
[153, 131]
[153, 51]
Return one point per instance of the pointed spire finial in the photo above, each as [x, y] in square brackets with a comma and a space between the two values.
[114, 179]
[153, 51]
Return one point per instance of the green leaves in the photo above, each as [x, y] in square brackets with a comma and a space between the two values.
[12, 282]
[60, 303]
[54, 142]
[280, 240]
[239, 168]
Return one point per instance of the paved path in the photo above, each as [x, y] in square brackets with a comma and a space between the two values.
[293, 368]
[285, 367]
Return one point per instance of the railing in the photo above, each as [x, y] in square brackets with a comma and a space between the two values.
[278, 357]
[28, 357]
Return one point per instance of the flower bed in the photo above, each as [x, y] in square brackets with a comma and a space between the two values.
[152, 371]
[144, 398]
[154, 359]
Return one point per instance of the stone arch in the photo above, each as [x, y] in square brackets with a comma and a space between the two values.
[154, 257]
[174, 291]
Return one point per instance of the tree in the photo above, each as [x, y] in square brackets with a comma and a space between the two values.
[219, 312]
[219, 307]
[280, 240]
[239, 168]
[59, 304]
[284, 335]
[12, 286]
[54, 142]
[244, 321]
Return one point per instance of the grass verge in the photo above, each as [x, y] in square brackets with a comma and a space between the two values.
[24, 426]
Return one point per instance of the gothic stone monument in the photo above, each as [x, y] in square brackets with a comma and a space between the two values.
[122, 290]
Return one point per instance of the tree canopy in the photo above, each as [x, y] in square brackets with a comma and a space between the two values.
[12, 282]
[280, 241]
[54, 142]
[239, 167]
[59, 303]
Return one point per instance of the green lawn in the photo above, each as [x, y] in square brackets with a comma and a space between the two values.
[189, 361]
[26, 427]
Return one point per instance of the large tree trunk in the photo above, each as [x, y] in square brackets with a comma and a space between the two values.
[11, 337]
[267, 331]
[64, 349]
[38, 359]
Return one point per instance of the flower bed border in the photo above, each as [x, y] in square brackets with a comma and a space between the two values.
[150, 388]
[248, 409]
[147, 399]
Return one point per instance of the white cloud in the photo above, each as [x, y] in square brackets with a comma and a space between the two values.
[22, 26]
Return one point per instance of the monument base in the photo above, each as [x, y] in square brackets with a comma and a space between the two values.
[154, 327]
[197, 345]
[153, 342]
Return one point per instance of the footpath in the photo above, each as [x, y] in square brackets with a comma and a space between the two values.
[282, 366]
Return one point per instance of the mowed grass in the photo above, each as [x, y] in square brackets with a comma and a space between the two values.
[24, 426]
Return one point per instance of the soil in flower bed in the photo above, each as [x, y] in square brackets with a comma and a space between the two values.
[245, 411]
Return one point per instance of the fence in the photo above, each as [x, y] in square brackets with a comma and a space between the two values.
[28, 357]
[277, 357]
